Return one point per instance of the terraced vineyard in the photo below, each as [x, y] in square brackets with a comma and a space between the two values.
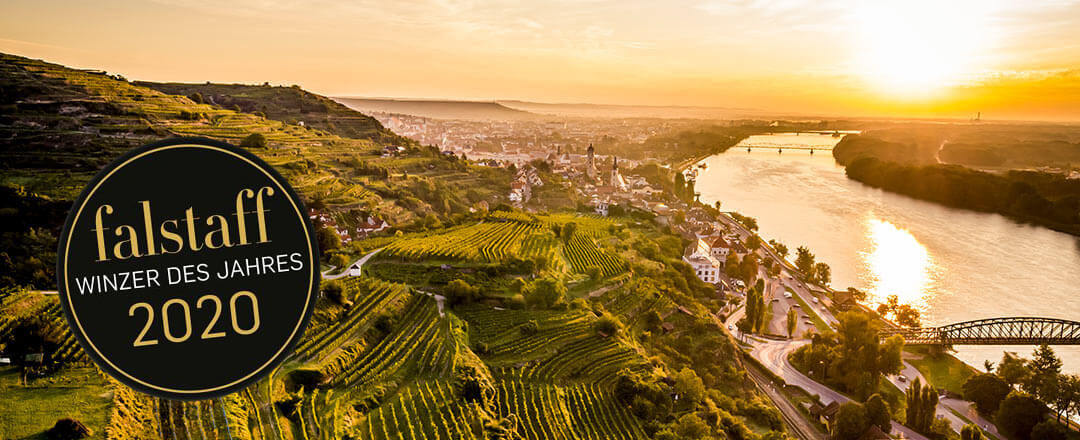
[425, 410]
[370, 296]
[488, 242]
[582, 253]
[505, 235]
[573, 412]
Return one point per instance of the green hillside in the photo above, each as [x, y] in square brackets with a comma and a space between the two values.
[60, 125]
[468, 323]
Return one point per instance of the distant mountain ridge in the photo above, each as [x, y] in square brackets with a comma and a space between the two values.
[438, 109]
[587, 110]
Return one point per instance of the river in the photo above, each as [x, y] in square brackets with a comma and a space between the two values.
[953, 265]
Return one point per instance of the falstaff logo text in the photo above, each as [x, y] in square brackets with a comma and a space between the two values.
[188, 269]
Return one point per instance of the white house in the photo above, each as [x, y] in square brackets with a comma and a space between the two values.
[601, 207]
[706, 266]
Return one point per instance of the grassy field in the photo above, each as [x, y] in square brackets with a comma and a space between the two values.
[80, 393]
[819, 323]
[943, 371]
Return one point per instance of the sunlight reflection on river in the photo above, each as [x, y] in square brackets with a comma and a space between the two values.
[897, 264]
[953, 265]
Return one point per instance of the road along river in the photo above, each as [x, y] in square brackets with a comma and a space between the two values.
[953, 265]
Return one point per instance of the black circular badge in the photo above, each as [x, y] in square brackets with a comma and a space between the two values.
[188, 269]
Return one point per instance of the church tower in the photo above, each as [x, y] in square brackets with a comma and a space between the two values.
[590, 164]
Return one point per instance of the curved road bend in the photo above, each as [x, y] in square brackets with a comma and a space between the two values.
[358, 264]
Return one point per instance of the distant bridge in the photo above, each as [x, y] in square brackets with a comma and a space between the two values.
[993, 331]
[781, 148]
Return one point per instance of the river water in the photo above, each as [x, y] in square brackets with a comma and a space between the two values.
[953, 265]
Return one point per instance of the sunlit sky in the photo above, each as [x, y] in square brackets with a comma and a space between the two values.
[939, 58]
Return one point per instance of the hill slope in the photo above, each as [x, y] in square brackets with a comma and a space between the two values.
[286, 104]
[469, 324]
[471, 110]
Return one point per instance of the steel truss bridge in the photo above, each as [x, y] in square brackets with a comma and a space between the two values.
[993, 331]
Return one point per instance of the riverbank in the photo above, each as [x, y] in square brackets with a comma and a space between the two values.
[1050, 200]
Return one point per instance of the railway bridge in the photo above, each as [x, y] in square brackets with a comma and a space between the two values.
[993, 331]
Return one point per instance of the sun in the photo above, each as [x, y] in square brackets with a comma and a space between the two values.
[918, 47]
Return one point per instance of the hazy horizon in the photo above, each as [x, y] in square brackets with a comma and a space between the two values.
[836, 58]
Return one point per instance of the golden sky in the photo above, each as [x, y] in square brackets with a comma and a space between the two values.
[939, 58]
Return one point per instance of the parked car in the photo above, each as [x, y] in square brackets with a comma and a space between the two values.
[815, 300]
[787, 295]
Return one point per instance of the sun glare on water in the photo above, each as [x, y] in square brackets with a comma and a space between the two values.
[899, 265]
[916, 48]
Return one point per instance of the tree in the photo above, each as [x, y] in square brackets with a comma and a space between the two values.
[1067, 395]
[857, 294]
[755, 310]
[196, 97]
[731, 265]
[328, 239]
[792, 322]
[1049, 430]
[339, 261]
[30, 335]
[907, 316]
[568, 231]
[690, 426]
[753, 242]
[334, 291]
[822, 274]
[1013, 369]
[852, 358]
[971, 432]
[878, 413]
[1045, 367]
[987, 391]
[851, 421]
[254, 140]
[804, 261]
[460, 292]
[779, 247]
[608, 325]
[545, 293]
[864, 359]
[921, 405]
[689, 387]
[1019, 413]
[68, 429]
[748, 268]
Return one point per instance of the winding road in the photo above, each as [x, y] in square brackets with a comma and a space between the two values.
[773, 354]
